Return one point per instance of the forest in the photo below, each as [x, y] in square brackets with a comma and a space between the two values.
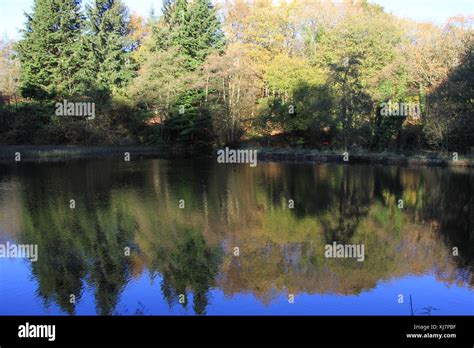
[202, 75]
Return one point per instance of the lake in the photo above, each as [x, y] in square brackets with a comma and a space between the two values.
[185, 237]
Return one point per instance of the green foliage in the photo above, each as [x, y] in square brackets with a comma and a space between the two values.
[117, 122]
[313, 73]
[180, 41]
[449, 123]
[191, 27]
[189, 122]
[107, 35]
[23, 123]
[51, 51]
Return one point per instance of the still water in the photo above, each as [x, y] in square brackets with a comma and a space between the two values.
[159, 237]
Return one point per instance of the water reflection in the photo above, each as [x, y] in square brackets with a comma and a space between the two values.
[190, 252]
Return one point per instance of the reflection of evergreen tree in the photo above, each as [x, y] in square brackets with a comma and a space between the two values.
[193, 265]
[59, 273]
[73, 243]
[110, 269]
[61, 266]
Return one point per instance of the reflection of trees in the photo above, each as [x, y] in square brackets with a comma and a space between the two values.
[109, 271]
[72, 248]
[61, 261]
[190, 265]
[341, 221]
[358, 205]
[10, 203]
[450, 204]
[72, 244]
[281, 249]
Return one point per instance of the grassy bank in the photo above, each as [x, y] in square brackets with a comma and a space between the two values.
[62, 152]
[384, 158]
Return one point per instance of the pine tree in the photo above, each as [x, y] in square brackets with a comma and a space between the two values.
[51, 49]
[191, 26]
[204, 32]
[191, 30]
[168, 30]
[108, 30]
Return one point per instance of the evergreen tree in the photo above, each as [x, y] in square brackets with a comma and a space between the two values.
[51, 49]
[192, 27]
[204, 31]
[108, 34]
[168, 31]
[192, 30]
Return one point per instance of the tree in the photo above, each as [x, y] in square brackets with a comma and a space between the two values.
[442, 70]
[231, 83]
[294, 95]
[108, 33]
[448, 120]
[9, 71]
[51, 51]
[186, 33]
[264, 28]
[205, 29]
[192, 27]
[355, 51]
[160, 82]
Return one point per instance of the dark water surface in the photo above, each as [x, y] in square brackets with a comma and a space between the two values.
[190, 251]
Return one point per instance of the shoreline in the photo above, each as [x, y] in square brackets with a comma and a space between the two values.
[389, 159]
[35, 153]
[74, 152]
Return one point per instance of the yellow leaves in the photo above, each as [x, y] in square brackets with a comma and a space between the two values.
[434, 50]
[138, 27]
[263, 26]
[9, 71]
[234, 78]
[284, 73]
[280, 225]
